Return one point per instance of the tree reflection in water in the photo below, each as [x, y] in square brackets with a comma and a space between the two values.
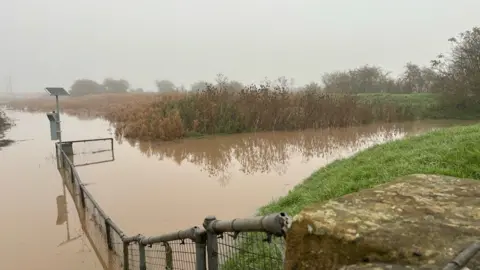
[269, 152]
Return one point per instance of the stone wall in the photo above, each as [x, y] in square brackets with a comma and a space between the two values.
[414, 222]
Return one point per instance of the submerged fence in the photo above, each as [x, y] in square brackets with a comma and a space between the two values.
[250, 243]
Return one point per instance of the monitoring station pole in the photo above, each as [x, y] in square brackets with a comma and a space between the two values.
[59, 131]
[55, 118]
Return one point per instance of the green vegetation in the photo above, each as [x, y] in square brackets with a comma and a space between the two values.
[421, 105]
[219, 111]
[452, 151]
[254, 253]
[415, 100]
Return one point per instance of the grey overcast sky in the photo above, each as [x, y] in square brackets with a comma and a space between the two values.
[54, 42]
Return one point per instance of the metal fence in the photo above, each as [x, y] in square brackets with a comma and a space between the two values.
[249, 243]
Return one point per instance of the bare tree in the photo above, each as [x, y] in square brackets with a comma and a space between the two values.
[365, 79]
[337, 81]
[459, 70]
[417, 79]
[283, 83]
[313, 86]
[221, 80]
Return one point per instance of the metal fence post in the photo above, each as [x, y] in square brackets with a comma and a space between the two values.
[72, 176]
[200, 249]
[57, 156]
[109, 235]
[212, 244]
[168, 256]
[82, 198]
[113, 150]
[61, 157]
[125, 256]
[141, 253]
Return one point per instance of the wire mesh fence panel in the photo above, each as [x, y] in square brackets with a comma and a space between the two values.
[75, 189]
[158, 256]
[64, 174]
[133, 256]
[171, 255]
[116, 251]
[250, 251]
[95, 228]
[63, 160]
[234, 251]
[94, 224]
[183, 254]
[92, 151]
[78, 194]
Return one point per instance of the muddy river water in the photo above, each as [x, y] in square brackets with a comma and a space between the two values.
[153, 188]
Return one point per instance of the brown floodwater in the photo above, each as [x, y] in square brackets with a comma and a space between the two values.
[153, 188]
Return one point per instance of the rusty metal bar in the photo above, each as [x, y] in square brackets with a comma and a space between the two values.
[93, 163]
[141, 253]
[193, 234]
[276, 224]
[125, 256]
[462, 259]
[109, 235]
[89, 140]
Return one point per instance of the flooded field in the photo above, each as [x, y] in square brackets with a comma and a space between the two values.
[153, 188]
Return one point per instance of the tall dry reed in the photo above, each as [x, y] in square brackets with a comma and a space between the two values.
[218, 110]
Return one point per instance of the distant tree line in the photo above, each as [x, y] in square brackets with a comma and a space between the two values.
[83, 87]
[374, 79]
[455, 74]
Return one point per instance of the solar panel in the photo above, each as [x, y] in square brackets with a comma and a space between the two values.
[57, 91]
[52, 117]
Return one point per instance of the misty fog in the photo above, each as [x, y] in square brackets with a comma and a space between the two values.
[55, 42]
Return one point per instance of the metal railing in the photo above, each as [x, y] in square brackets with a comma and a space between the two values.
[464, 257]
[249, 243]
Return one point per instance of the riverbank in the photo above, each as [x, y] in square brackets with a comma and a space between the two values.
[150, 116]
[5, 124]
[451, 151]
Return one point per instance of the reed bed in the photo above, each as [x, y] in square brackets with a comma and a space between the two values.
[216, 110]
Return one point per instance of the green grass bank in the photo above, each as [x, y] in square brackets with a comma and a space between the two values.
[452, 151]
